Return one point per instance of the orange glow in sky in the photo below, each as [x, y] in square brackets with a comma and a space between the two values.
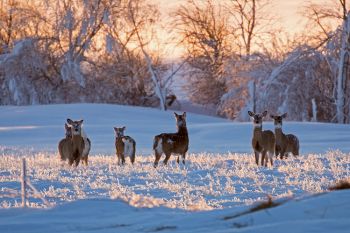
[288, 13]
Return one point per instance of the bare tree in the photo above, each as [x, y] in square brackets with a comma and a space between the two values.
[250, 20]
[203, 27]
[156, 69]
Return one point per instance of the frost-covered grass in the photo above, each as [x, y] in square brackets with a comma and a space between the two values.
[207, 181]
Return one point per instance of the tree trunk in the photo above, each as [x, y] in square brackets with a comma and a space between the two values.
[342, 71]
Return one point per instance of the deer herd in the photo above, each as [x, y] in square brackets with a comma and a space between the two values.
[75, 147]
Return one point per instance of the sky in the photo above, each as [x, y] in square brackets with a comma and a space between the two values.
[288, 13]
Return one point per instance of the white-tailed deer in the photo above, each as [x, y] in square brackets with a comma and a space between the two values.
[263, 141]
[172, 143]
[77, 142]
[87, 147]
[285, 143]
[125, 146]
[65, 145]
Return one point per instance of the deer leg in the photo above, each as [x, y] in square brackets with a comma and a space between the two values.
[118, 159]
[158, 155]
[282, 152]
[123, 159]
[183, 158]
[277, 151]
[77, 161]
[167, 157]
[178, 159]
[295, 152]
[132, 158]
[70, 162]
[263, 158]
[256, 157]
[271, 158]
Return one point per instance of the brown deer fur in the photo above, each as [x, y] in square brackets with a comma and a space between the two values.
[77, 140]
[263, 141]
[172, 143]
[65, 145]
[125, 146]
[285, 143]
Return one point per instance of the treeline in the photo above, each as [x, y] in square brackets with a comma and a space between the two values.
[236, 57]
[77, 51]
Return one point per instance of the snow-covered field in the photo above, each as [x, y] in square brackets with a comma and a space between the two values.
[220, 175]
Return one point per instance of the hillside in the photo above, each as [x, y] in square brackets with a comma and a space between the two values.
[220, 180]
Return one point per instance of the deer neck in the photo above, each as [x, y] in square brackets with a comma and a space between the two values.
[76, 137]
[182, 130]
[278, 132]
[119, 138]
[257, 132]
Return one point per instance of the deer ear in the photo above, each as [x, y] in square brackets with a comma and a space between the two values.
[251, 113]
[124, 128]
[69, 121]
[264, 113]
[175, 114]
[115, 129]
[184, 114]
[284, 115]
[80, 122]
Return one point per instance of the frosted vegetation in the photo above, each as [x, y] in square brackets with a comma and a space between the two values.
[236, 57]
[208, 181]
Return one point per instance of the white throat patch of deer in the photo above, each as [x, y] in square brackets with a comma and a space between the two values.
[285, 143]
[263, 141]
[172, 143]
[125, 146]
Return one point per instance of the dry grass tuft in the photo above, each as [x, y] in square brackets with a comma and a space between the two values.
[343, 184]
[265, 205]
[269, 203]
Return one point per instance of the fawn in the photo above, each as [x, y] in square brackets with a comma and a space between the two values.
[125, 146]
[172, 143]
[263, 141]
[285, 143]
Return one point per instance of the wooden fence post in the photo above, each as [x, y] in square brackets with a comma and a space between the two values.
[23, 183]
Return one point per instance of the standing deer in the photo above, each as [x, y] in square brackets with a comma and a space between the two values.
[125, 146]
[172, 143]
[77, 142]
[263, 141]
[285, 143]
[87, 147]
[65, 145]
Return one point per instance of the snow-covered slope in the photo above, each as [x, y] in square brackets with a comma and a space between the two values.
[220, 175]
[322, 213]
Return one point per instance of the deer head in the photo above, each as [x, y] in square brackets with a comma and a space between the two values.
[75, 126]
[68, 130]
[180, 119]
[119, 132]
[278, 120]
[257, 118]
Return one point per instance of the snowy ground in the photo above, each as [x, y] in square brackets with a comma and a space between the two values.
[220, 175]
